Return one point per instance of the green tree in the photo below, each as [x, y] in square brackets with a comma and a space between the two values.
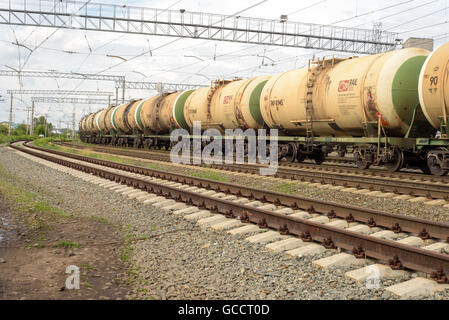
[39, 124]
[3, 130]
[20, 131]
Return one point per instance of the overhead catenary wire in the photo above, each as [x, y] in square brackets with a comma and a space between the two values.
[425, 27]
[51, 35]
[415, 19]
[155, 16]
[401, 12]
[177, 39]
[307, 7]
[373, 11]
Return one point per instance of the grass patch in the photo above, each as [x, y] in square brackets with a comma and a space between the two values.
[289, 188]
[4, 139]
[88, 267]
[154, 166]
[36, 212]
[208, 174]
[49, 144]
[100, 219]
[67, 244]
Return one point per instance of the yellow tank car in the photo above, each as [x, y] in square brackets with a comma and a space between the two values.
[434, 86]
[345, 98]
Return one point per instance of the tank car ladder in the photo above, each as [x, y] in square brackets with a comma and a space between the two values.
[313, 73]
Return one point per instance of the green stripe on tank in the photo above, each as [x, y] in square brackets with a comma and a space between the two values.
[114, 126]
[138, 118]
[254, 102]
[98, 121]
[179, 109]
[405, 87]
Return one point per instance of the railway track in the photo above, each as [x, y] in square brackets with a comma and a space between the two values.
[329, 224]
[399, 183]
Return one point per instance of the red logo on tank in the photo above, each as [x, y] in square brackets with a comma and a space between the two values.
[227, 99]
[343, 86]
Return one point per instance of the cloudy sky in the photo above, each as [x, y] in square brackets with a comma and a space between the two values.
[182, 60]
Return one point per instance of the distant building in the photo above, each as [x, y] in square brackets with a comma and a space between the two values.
[6, 124]
[422, 43]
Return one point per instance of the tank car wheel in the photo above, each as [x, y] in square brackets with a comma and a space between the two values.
[154, 145]
[148, 143]
[167, 145]
[300, 157]
[398, 161]
[425, 169]
[341, 151]
[359, 161]
[434, 167]
[319, 157]
[292, 151]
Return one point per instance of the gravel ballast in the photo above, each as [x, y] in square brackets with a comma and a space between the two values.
[178, 260]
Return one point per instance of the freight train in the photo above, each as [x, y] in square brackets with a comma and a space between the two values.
[389, 109]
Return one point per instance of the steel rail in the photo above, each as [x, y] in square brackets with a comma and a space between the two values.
[431, 191]
[426, 189]
[364, 215]
[284, 165]
[398, 255]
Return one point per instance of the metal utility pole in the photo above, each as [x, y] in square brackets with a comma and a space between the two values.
[28, 120]
[10, 117]
[46, 122]
[32, 119]
[123, 91]
[59, 126]
[73, 122]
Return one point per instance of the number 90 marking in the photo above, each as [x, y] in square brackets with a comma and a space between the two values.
[434, 81]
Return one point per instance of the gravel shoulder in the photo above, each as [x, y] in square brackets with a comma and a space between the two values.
[173, 258]
[39, 239]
